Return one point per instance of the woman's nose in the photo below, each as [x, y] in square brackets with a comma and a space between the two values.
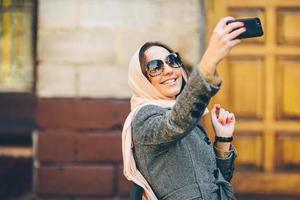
[167, 69]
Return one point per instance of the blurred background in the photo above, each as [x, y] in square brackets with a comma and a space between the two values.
[64, 93]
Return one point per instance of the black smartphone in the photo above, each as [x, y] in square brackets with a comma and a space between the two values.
[253, 27]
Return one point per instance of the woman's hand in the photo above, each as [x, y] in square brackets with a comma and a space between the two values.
[223, 121]
[220, 44]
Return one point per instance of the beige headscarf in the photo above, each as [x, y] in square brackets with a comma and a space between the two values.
[144, 93]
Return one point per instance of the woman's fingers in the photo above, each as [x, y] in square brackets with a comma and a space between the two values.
[226, 113]
[232, 35]
[214, 119]
[230, 118]
[215, 111]
[229, 32]
[229, 38]
[223, 116]
[232, 26]
[216, 108]
[222, 23]
[232, 43]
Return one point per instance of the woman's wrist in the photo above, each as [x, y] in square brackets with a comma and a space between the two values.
[224, 146]
[210, 73]
[207, 67]
[222, 149]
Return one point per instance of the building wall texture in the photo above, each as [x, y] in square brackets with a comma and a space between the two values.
[84, 47]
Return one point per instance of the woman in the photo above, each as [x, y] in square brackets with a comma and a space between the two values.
[165, 150]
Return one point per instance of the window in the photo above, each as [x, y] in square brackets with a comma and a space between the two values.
[16, 45]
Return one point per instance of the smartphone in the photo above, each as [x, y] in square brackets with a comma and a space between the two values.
[253, 27]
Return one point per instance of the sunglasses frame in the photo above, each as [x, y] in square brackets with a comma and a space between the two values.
[162, 63]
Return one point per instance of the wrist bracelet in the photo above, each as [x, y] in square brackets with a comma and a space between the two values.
[221, 153]
[223, 139]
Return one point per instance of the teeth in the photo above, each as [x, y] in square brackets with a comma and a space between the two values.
[170, 81]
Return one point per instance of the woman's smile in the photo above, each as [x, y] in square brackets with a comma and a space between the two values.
[170, 81]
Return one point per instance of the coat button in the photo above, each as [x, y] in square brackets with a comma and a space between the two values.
[207, 140]
[196, 114]
[204, 97]
[200, 106]
[216, 173]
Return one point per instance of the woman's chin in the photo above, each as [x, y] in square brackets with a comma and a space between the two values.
[172, 94]
[170, 90]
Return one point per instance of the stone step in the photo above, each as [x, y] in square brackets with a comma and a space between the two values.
[15, 171]
[16, 151]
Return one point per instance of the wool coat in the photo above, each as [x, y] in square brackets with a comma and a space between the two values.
[173, 152]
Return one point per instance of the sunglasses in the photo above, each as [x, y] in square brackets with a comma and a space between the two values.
[156, 67]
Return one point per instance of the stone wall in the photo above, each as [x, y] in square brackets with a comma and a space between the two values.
[84, 47]
[85, 44]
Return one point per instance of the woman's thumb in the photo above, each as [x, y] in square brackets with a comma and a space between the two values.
[214, 116]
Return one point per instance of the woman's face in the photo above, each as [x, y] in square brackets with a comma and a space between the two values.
[169, 81]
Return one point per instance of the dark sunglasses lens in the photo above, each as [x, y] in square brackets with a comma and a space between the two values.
[155, 67]
[174, 60]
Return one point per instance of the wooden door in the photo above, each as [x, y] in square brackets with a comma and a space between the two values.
[261, 85]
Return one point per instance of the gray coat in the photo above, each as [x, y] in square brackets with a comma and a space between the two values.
[173, 151]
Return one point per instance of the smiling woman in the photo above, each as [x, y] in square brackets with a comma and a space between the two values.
[165, 151]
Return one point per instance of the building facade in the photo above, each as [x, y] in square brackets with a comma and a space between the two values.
[64, 94]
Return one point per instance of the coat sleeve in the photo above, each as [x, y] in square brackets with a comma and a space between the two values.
[155, 125]
[226, 166]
